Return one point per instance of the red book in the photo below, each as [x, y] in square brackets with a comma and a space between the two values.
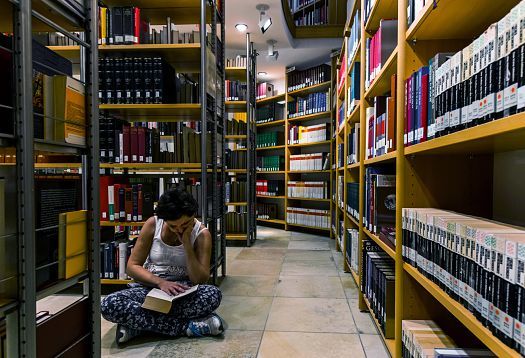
[137, 25]
[141, 137]
[134, 144]
[105, 182]
[140, 203]
[126, 143]
[424, 104]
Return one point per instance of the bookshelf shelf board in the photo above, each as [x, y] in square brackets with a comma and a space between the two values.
[69, 52]
[381, 84]
[382, 158]
[114, 281]
[308, 171]
[236, 170]
[450, 19]
[310, 227]
[355, 58]
[235, 106]
[273, 147]
[276, 98]
[236, 236]
[122, 223]
[143, 166]
[270, 172]
[53, 165]
[352, 219]
[312, 89]
[340, 208]
[309, 199]
[355, 276]
[271, 124]
[155, 112]
[340, 169]
[324, 142]
[235, 137]
[340, 130]
[341, 93]
[236, 73]
[352, 166]
[7, 304]
[497, 136]
[273, 221]
[353, 117]
[236, 204]
[390, 343]
[61, 285]
[309, 117]
[55, 147]
[383, 9]
[378, 241]
[462, 314]
[281, 197]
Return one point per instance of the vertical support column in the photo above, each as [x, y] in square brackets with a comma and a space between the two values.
[204, 112]
[400, 167]
[223, 147]
[248, 140]
[25, 186]
[286, 151]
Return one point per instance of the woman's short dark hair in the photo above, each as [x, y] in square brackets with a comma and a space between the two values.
[175, 203]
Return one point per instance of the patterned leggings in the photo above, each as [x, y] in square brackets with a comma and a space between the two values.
[124, 307]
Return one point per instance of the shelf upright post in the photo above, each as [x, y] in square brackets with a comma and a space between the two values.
[204, 112]
[93, 173]
[25, 179]
[220, 100]
[250, 139]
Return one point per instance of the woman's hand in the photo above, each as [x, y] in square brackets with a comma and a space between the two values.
[186, 236]
[172, 288]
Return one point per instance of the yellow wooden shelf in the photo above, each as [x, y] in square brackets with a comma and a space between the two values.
[353, 117]
[353, 166]
[271, 172]
[381, 83]
[382, 158]
[462, 314]
[272, 147]
[340, 169]
[309, 199]
[309, 117]
[383, 9]
[151, 166]
[381, 244]
[237, 203]
[235, 236]
[324, 142]
[350, 18]
[155, 112]
[355, 58]
[390, 343]
[310, 227]
[276, 98]
[307, 171]
[351, 218]
[114, 281]
[271, 124]
[72, 53]
[235, 136]
[497, 136]
[236, 170]
[235, 106]
[271, 197]
[122, 223]
[236, 73]
[53, 165]
[355, 276]
[312, 89]
[273, 221]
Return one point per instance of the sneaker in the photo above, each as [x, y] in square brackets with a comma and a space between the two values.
[210, 326]
[124, 334]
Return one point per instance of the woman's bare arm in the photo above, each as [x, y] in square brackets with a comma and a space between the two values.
[198, 258]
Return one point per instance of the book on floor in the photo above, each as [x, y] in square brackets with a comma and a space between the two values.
[160, 301]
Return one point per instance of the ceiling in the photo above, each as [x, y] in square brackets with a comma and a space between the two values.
[292, 52]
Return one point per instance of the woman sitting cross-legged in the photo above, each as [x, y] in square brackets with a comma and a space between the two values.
[172, 253]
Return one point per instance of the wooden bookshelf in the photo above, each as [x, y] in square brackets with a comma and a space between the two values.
[390, 343]
[154, 112]
[281, 197]
[272, 221]
[353, 166]
[308, 171]
[235, 106]
[352, 219]
[355, 58]
[235, 137]
[324, 142]
[271, 124]
[309, 117]
[382, 158]
[383, 9]
[391, 252]
[272, 147]
[309, 227]
[311, 89]
[267, 100]
[236, 73]
[270, 172]
[308, 199]
[150, 166]
[353, 117]
[381, 83]
[114, 281]
[240, 237]
[122, 223]
[237, 203]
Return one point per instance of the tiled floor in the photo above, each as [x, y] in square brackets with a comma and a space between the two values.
[287, 296]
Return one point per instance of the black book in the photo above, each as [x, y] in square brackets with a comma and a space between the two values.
[128, 25]
[110, 96]
[128, 85]
[138, 86]
[102, 80]
[118, 68]
[118, 30]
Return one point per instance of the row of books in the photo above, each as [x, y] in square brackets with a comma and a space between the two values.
[269, 187]
[236, 124]
[263, 90]
[236, 221]
[311, 104]
[308, 134]
[340, 191]
[352, 156]
[269, 113]
[269, 139]
[477, 262]
[341, 72]
[425, 338]
[313, 16]
[266, 211]
[340, 155]
[311, 161]
[378, 49]
[381, 122]
[238, 61]
[308, 189]
[235, 192]
[354, 87]
[270, 163]
[298, 4]
[235, 159]
[125, 201]
[352, 200]
[352, 249]
[235, 90]
[414, 8]
[114, 256]
[308, 217]
[57, 38]
[298, 79]
[380, 202]
[378, 285]
[341, 115]
[341, 233]
[352, 41]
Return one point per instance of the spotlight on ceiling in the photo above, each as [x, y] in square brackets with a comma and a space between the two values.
[265, 21]
[262, 73]
[272, 53]
[241, 27]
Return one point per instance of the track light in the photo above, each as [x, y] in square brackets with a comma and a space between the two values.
[272, 53]
[265, 21]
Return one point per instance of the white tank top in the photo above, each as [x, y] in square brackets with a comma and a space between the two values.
[169, 262]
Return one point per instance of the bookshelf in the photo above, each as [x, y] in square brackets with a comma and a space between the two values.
[243, 231]
[421, 169]
[28, 275]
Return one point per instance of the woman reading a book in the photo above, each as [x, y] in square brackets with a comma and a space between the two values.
[172, 253]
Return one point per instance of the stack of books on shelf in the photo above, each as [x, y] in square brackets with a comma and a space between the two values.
[308, 189]
[378, 49]
[236, 221]
[316, 218]
[270, 163]
[381, 121]
[115, 250]
[269, 113]
[312, 16]
[266, 211]
[238, 61]
[352, 41]
[269, 139]
[235, 159]
[352, 248]
[353, 144]
[341, 73]
[309, 77]
[311, 161]
[380, 203]
[378, 285]
[236, 124]
[354, 87]
[56, 38]
[235, 90]
[235, 192]
[308, 134]
[340, 155]
[341, 115]
[269, 187]
[126, 202]
[424, 338]
[352, 199]
[312, 103]
[264, 90]
[477, 262]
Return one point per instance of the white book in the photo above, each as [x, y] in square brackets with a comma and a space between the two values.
[122, 258]
[160, 301]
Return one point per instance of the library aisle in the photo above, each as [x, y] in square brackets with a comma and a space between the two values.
[286, 296]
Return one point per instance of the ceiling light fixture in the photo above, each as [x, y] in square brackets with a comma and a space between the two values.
[262, 73]
[272, 54]
[265, 21]
[281, 102]
[241, 27]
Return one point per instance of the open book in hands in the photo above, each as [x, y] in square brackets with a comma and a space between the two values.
[160, 301]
